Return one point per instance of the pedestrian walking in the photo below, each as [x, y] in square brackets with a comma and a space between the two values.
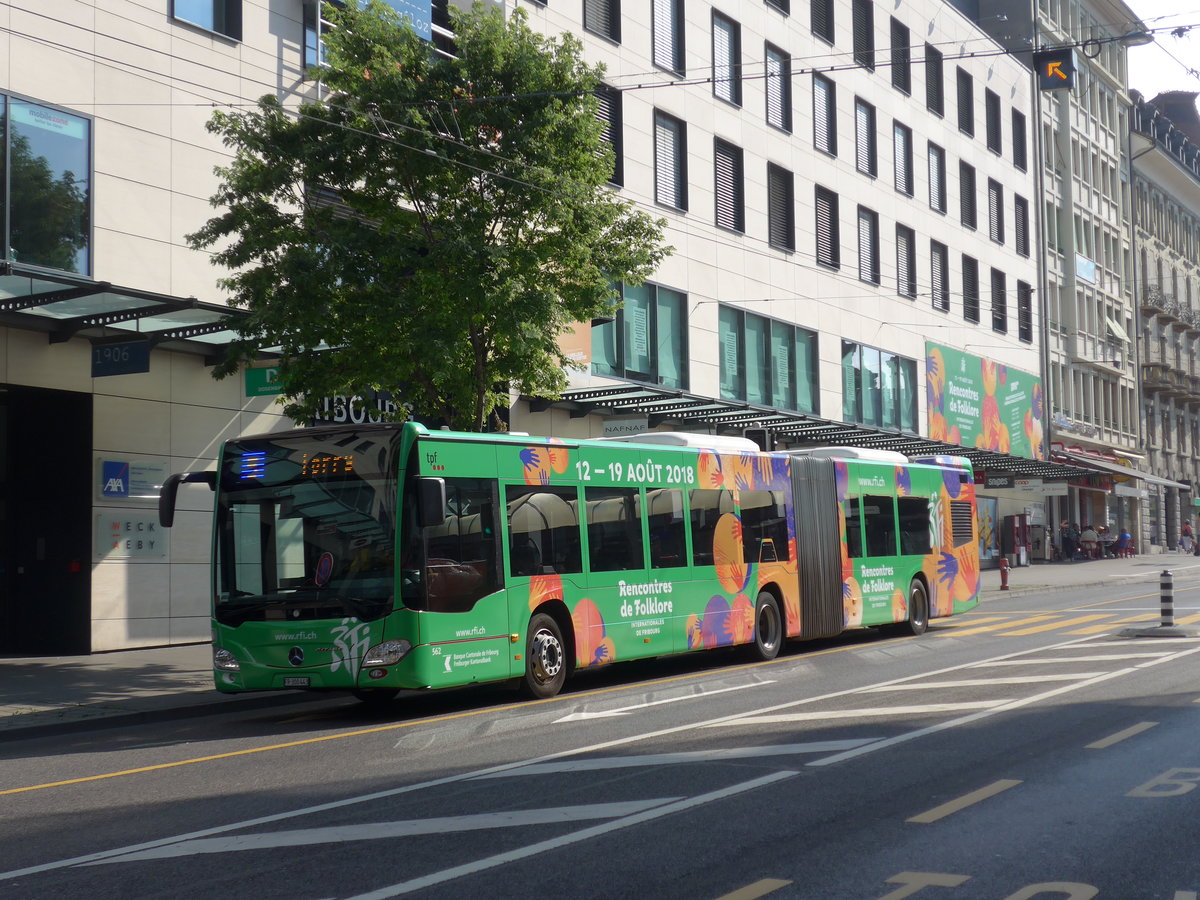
[1185, 536]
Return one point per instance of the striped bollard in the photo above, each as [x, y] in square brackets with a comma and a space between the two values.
[1166, 584]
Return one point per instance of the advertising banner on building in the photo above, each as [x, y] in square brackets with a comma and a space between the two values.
[981, 403]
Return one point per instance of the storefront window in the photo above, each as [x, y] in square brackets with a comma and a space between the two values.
[45, 186]
[647, 341]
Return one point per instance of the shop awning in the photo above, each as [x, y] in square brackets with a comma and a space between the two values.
[66, 306]
[1115, 468]
[661, 405]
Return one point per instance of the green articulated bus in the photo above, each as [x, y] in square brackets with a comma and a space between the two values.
[381, 557]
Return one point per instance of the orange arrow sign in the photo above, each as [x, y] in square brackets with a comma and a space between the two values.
[1055, 68]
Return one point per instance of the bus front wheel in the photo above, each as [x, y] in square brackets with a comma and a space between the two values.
[768, 627]
[918, 611]
[545, 658]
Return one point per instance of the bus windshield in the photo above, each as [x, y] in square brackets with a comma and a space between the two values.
[305, 527]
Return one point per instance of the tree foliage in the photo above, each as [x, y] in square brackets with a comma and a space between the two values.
[432, 225]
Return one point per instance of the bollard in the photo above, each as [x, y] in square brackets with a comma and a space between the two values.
[1004, 573]
[1166, 584]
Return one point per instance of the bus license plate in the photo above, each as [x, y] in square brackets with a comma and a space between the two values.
[300, 681]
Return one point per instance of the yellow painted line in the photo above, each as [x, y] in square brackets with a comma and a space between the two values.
[946, 809]
[756, 890]
[1108, 626]
[1035, 629]
[1187, 620]
[1120, 736]
[969, 623]
[1009, 624]
[380, 729]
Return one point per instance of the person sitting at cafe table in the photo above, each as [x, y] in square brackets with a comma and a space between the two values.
[1089, 542]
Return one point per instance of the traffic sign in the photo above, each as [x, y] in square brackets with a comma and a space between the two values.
[1055, 69]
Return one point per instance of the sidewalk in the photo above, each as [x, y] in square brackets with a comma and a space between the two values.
[47, 694]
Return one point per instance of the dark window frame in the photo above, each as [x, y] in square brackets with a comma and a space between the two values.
[825, 114]
[680, 153]
[226, 18]
[821, 20]
[999, 302]
[968, 193]
[935, 81]
[901, 55]
[862, 14]
[906, 261]
[671, 56]
[903, 175]
[732, 84]
[607, 9]
[866, 140]
[970, 290]
[732, 215]
[610, 111]
[782, 86]
[781, 208]
[964, 86]
[868, 256]
[827, 220]
[939, 276]
[991, 120]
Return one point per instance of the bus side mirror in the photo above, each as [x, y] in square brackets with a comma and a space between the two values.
[431, 501]
[170, 487]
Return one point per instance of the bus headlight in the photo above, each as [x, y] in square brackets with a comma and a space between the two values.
[387, 654]
[226, 661]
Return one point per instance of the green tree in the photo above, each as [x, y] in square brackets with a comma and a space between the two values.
[433, 225]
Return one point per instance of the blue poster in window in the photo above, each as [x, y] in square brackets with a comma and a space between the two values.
[114, 478]
[419, 14]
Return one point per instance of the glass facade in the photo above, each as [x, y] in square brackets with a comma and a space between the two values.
[45, 186]
[647, 341]
[766, 361]
[878, 388]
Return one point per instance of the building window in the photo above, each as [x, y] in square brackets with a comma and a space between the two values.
[828, 238]
[939, 275]
[865, 154]
[603, 17]
[1025, 312]
[670, 161]
[863, 14]
[878, 388]
[966, 194]
[667, 35]
[868, 245]
[824, 115]
[970, 288]
[781, 206]
[935, 92]
[727, 55]
[999, 302]
[901, 57]
[937, 178]
[766, 361]
[995, 211]
[647, 341]
[729, 185]
[906, 261]
[822, 19]
[45, 186]
[779, 88]
[222, 16]
[902, 158]
[784, 6]
[966, 102]
[991, 114]
[1021, 224]
[608, 111]
[1019, 141]
[315, 29]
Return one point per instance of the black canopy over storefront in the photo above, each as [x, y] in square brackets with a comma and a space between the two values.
[66, 306]
[661, 406]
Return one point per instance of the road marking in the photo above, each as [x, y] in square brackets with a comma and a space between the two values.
[339, 834]
[1037, 629]
[491, 862]
[1104, 657]
[683, 757]
[968, 622]
[779, 718]
[953, 806]
[1120, 736]
[983, 682]
[605, 714]
[756, 890]
[1030, 621]
[911, 882]
[604, 745]
[1108, 626]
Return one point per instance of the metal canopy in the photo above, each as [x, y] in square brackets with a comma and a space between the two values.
[1115, 468]
[65, 306]
[691, 410]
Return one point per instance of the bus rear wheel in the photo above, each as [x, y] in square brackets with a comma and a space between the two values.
[545, 658]
[918, 611]
[768, 628]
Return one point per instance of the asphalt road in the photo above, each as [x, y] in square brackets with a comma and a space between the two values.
[1021, 751]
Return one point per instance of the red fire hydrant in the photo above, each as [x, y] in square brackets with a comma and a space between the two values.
[1004, 573]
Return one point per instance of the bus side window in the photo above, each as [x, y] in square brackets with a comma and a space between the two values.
[880, 517]
[668, 547]
[914, 526]
[543, 530]
[854, 546]
[614, 529]
[764, 526]
[707, 507]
